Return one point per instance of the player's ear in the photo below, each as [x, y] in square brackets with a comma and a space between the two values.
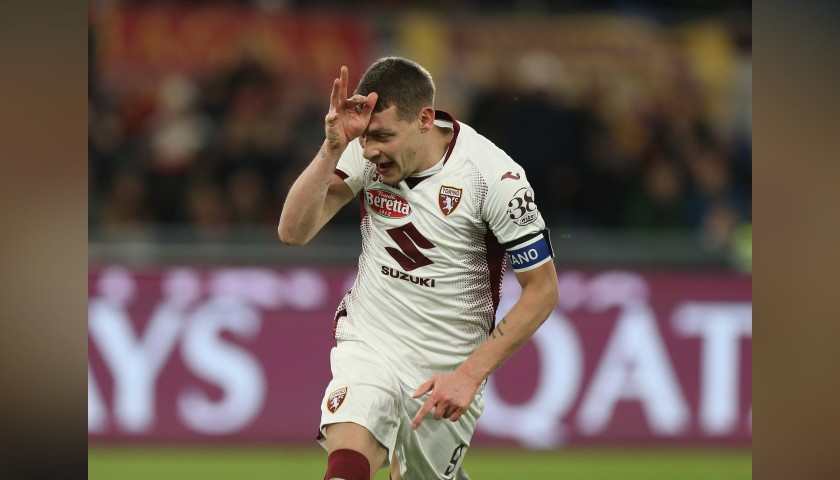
[427, 119]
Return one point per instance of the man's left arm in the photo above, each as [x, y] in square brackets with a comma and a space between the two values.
[453, 392]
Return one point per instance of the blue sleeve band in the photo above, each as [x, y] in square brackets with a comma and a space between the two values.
[531, 253]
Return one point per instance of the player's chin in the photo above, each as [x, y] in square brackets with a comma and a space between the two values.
[393, 179]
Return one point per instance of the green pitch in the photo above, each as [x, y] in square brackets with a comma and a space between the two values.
[257, 463]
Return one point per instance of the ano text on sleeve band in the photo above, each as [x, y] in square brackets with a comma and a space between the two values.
[531, 252]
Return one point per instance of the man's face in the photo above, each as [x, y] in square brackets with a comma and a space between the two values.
[392, 144]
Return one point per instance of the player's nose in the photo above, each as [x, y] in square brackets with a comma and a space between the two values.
[370, 151]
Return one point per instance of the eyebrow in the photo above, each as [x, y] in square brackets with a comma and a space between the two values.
[380, 131]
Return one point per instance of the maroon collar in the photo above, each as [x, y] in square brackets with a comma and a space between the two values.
[441, 115]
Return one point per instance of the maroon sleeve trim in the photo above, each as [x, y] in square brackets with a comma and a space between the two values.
[496, 260]
[341, 174]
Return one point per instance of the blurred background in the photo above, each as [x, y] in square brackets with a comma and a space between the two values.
[632, 120]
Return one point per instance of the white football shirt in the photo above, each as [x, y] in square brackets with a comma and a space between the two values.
[433, 253]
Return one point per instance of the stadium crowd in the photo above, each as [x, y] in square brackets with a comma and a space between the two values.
[220, 150]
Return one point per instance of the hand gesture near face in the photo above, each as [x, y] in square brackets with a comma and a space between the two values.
[348, 117]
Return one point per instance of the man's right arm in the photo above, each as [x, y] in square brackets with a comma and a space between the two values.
[318, 193]
[315, 197]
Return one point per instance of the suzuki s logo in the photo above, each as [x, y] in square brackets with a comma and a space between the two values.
[449, 199]
[387, 204]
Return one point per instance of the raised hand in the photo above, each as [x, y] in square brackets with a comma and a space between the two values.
[348, 117]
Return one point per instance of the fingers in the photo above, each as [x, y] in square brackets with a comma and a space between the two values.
[343, 82]
[339, 89]
[370, 102]
[450, 412]
[418, 419]
[358, 99]
[366, 101]
[362, 105]
[358, 103]
[334, 97]
[424, 388]
[443, 408]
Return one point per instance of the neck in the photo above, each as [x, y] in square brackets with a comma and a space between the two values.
[441, 138]
[434, 148]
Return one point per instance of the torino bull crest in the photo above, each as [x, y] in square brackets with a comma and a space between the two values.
[336, 398]
[449, 198]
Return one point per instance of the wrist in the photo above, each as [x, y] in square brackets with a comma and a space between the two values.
[332, 151]
[474, 372]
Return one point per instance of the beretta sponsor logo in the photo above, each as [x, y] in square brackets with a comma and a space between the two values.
[387, 204]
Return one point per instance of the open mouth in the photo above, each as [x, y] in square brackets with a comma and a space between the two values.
[384, 167]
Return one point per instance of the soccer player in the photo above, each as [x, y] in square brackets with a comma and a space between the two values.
[416, 334]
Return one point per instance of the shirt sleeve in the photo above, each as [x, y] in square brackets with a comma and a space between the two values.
[510, 208]
[351, 167]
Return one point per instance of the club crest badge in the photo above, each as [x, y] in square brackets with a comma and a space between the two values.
[336, 399]
[448, 199]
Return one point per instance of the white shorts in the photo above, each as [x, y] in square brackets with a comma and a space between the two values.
[366, 390]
